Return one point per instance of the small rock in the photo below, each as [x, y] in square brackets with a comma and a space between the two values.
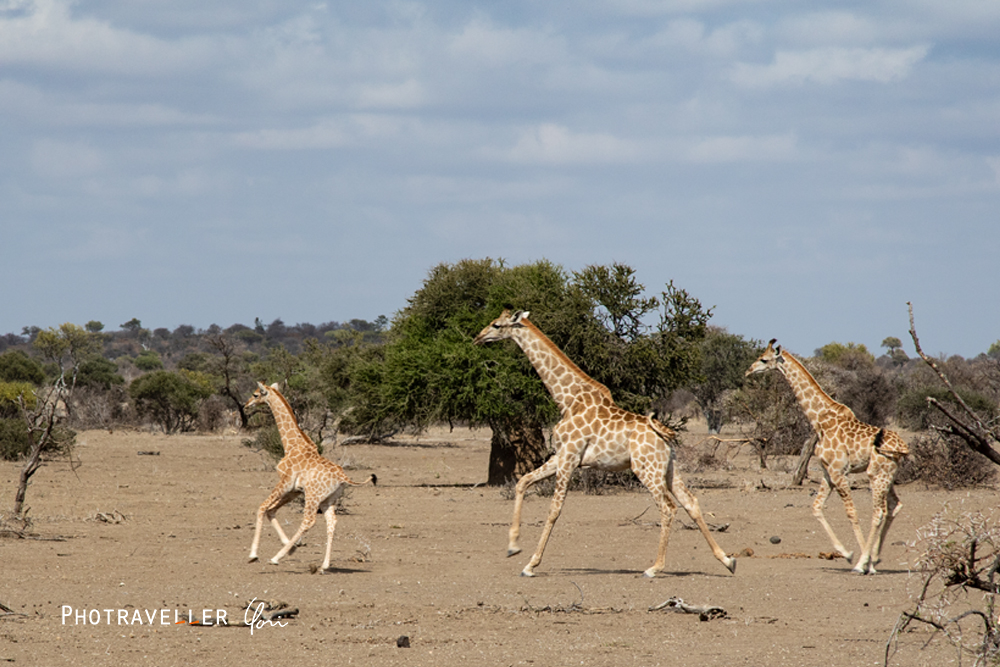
[402, 642]
[775, 539]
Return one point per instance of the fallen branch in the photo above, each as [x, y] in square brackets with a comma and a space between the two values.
[705, 612]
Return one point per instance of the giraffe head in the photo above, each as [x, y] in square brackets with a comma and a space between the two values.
[260, 396]
[770, 360]
[502, 327]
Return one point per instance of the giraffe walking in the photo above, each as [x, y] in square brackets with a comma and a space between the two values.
[302, 470]
[846, 444]
[595, 433]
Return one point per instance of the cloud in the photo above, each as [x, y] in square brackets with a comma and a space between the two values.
[485, 44]
[830, 65]
[45, 33]
[829, 28]
[554, 144]
[744, 149]
[56, 159]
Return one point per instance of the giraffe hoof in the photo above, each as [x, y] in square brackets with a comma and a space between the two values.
[253, 559]
[527, 573]
[731, 565]
[650, 573]
[513, 551]
[273, 561]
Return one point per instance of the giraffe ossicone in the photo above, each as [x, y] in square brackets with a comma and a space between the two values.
[594, 433]
[845, 445]
[303, 470]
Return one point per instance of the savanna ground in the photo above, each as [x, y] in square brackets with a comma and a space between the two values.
[423, 556]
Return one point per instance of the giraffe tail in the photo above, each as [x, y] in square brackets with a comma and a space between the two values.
[661, 429]
[894, 450]
[373, 479]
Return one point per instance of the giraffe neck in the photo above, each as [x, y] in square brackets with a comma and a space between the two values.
[292, 437]
[565, 381]
[811, 397]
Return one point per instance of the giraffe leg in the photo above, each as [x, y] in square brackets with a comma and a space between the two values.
[885, 506]
[279, 496]
[308, 519]
[824, 492]
[656, 484]
[690, 505]
[544, 471]
[892, 511]
[331, 525]
[558, 498]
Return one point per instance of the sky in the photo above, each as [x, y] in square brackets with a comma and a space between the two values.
[804, 168]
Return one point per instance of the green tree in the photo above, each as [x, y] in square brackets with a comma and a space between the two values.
[16, 366]
[68, 346]
[148, 360]
[170, 399]
[98, 372]
[725, 357]
[850, 356]
[894, 350]
[430, 372]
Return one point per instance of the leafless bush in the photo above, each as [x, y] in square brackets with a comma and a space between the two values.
[957, 584]
[213, 413]
[945, 462]
[599, 482]
[97, 407]
[710, 454]
[268, 439]
[769, 417]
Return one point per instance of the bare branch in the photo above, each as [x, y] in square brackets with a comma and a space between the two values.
[976, 433]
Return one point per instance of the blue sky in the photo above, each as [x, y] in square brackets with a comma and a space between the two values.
[804, 167]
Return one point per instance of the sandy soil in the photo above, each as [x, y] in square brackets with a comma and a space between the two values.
[423, 556]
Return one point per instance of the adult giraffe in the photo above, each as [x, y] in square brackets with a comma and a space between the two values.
[594, 433]
[846, 444]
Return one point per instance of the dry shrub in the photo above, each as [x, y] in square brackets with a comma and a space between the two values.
[97, 407]
[268, 439]
[709, 454]
[589, 480]
[945, 462]
[769, 416]
[957, 581]
[213, 413]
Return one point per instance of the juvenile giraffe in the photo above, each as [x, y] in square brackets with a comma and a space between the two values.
[302, 470]
[846, 445]
[594, 433]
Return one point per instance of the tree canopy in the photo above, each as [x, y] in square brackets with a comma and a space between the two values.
[430, 371]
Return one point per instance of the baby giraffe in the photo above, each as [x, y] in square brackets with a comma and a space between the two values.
[302, 470]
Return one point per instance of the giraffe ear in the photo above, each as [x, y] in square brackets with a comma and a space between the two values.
[521, 315]
[260, 385]
[274, 385]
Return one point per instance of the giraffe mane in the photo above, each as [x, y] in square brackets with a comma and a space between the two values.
[288, 406]
[812, 380]
[566, 360]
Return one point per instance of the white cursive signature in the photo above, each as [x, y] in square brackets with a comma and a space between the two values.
[258, 620]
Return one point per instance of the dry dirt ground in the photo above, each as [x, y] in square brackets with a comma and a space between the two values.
[423, 556]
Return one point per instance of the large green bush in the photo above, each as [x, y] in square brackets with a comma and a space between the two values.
[16, 366]
[916, 414]
[170, 399]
